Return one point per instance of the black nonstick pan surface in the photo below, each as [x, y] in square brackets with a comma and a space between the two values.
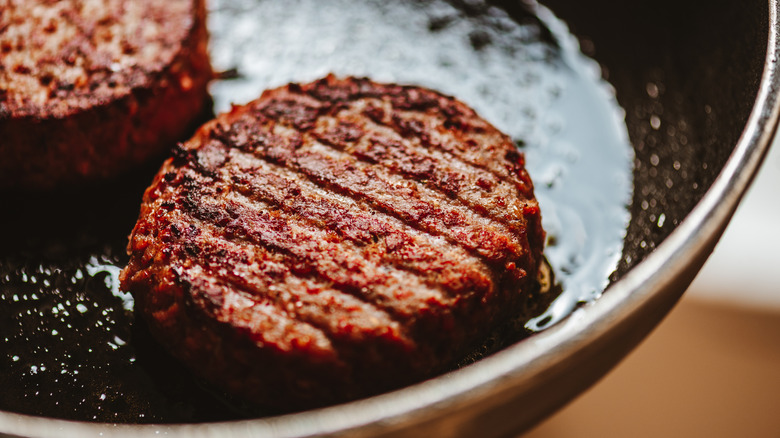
[621, 170]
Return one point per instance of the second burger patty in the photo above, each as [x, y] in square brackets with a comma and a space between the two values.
[92, 89]
[334, 240]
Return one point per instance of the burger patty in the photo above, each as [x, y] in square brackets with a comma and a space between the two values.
[334, 240]
[91, 88]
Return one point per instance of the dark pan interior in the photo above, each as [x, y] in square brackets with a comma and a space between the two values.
[686, 73]
[696, 65]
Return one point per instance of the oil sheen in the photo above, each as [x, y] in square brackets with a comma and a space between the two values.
[70, 346]
[534, 86]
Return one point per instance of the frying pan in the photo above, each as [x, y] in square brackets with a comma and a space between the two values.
[715, 66]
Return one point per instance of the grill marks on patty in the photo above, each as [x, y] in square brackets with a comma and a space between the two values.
[395, 195]
[346, 220]
[436, 261]
[415, 202]
[401, 273]
[260, 278]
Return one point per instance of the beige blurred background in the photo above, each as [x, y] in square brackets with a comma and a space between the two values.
[712, 368]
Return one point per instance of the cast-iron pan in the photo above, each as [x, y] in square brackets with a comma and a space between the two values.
[696, 80]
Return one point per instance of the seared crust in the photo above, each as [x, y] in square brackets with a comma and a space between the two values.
[334, 240]
[90, 88]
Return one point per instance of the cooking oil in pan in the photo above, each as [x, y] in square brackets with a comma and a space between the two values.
[70, 345]
[521, 70]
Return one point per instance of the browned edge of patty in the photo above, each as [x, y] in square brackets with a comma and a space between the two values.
[109, 136]
[396, 239]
